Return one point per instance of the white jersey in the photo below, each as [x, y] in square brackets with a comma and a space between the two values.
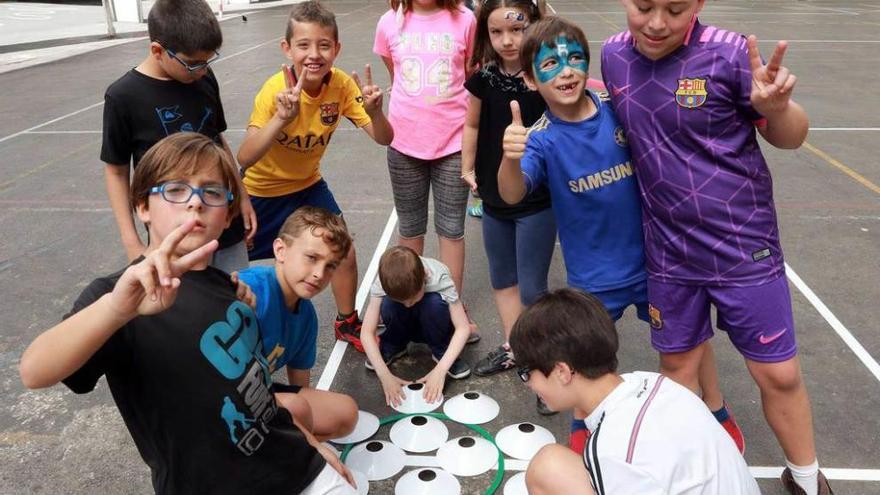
[653, 436]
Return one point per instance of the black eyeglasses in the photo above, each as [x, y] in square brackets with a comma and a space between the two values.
[194, 67]
[181, 192]
[524, 374]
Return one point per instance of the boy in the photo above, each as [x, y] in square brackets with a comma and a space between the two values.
[180, 353]
[309, 248]
[172, 90]
[579, 150]
[289, 130]
[650, 435]
[418, 303]
[716, 245]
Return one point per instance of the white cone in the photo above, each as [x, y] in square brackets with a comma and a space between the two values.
[367, 426]
[467, 456]
[360, 479]
[419, 434]
[378, 460]
[523, 440]
[471, 408]
[427, 481]
[516, 485]
[414, 402]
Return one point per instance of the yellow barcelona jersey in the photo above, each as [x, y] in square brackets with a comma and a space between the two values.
[293, 160]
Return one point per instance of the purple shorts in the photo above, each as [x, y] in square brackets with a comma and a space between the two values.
[758, 320]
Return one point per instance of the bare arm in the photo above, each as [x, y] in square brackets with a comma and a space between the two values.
[257, 140]
[772, 86]
[116, 178]
[787, 129]
[389, 64]
[248, 215]
[391, 385]
[469, 141]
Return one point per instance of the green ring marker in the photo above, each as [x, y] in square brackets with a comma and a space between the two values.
[499, 476]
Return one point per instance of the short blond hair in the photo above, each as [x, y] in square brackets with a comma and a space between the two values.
[311, 218]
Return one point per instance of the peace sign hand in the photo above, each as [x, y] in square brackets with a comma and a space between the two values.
[372, 93]
[287, 100]
[772, 84]
[150, 286]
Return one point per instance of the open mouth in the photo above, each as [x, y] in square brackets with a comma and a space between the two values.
[313, 67]
[567, 89]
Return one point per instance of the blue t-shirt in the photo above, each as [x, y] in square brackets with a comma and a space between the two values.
[289, 337]
[586, 165]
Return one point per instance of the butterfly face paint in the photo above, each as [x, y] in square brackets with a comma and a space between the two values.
[549, 62]
[514, 16]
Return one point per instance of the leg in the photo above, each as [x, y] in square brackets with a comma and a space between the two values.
[535, 243]
[683, 367]
[399, 324]
[271, 214]
[344, 284]
[554, 470]
[298, 407]
[334, 415]
[434, 323]
[707, 377]
[499, 241]
[450, 203]
[410, 184]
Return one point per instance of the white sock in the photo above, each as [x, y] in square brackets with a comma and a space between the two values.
[806, 477]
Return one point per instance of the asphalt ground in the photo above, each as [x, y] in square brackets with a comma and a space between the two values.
[58, 233]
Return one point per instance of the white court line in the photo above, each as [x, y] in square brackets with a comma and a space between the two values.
[93, 105]
[338, 352]
[832, 320]
[844, 129]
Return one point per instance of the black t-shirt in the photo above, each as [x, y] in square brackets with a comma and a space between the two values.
[195, 392]
[140, 110]
[495, 91]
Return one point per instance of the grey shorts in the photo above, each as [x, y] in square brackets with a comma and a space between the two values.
[412, 179]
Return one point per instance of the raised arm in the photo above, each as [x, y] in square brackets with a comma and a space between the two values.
[379, 128]
[258, 140]
[511, 184]
[772, 86]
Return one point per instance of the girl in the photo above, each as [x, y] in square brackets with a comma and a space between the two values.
[519, 239]
[426, 44]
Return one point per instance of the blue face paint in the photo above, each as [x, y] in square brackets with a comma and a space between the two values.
[549, 62]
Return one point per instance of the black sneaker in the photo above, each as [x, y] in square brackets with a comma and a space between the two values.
[388, 357]
[501, 359]
[458, 370]
[543, 410]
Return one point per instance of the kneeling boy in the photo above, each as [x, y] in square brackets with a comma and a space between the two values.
[310, 246]
[418, 303]
[649, 434]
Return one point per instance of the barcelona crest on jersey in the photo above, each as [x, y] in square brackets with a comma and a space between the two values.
[691, 93]
[329, 113]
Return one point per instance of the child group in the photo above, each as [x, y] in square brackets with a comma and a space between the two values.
[659, 190]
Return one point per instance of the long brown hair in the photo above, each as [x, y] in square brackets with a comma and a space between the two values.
[483, 51]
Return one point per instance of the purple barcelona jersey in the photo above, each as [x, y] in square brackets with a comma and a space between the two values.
[706, 190]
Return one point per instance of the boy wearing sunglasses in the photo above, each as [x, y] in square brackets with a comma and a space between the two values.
[172, 90]
[649, 434]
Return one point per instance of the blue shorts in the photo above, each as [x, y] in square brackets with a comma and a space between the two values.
[617, 300]
[272, 212]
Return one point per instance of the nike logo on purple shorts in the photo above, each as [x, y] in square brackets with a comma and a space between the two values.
[766, 340]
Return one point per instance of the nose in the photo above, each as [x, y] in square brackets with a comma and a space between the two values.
[657, 21]
[507, 39]
[195, 201]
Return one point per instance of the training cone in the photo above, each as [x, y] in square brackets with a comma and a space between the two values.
[414, 402]
[467, 456]
[360, 479]
[419, 434]
[378, 460]
[427, 481]
[471, 408]
[367, 426]
[516, 485]
[523, 440]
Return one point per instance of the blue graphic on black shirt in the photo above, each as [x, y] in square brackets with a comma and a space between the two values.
[172, 120]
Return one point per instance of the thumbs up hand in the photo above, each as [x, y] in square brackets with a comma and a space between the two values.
[515, 135]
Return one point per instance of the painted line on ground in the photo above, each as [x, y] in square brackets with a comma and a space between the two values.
[845, 129]
[843, 168]
[335, 359]
[848, 338]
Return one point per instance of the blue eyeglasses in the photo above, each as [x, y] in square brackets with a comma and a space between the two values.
[524, 374]
[195, 67]
[181, 192]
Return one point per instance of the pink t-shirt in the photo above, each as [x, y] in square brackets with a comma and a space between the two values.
[428, 100]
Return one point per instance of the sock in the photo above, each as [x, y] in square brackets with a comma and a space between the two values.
[577, 439]
[721, 415]
[806, 477]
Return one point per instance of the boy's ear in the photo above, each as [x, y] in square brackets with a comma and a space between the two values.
[563, 373]
[285, 46]
[279, 249]
[143, 212]
[156, 49]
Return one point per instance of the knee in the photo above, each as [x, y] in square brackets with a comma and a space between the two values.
[683, 368]
[348, 415]
[542, 471]
[784, 378]
[298, 408]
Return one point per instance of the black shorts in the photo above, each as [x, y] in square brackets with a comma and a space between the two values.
[285, 388]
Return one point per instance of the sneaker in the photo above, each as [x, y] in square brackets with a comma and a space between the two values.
[349, 330]
[794, 489]
[733, 429]
[476, 211]
[388, 357]
[458, 370]
[542, 408]
[501, 359]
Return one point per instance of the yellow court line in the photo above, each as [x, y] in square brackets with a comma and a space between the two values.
[843, 168]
